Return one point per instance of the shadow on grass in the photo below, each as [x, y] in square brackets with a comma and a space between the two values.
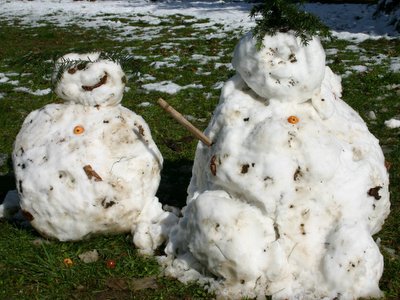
[7, 181]
[175, 178]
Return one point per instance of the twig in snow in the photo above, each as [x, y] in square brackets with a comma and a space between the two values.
[181, 119]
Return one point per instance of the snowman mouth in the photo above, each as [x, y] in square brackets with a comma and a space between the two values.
[90, 88]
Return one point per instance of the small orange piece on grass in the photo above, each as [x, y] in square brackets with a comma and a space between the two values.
[111, 264]
[68, 262]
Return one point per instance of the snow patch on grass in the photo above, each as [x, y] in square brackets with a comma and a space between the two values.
[392, 123]
[38, 92]
[169, 87]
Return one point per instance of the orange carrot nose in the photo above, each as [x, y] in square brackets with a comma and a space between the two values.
[78, 129]
[293, 120]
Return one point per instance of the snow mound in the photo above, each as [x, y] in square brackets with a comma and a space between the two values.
[86, 79]
[282, 68]
[392, 123]
[83, 168]
[286, 199]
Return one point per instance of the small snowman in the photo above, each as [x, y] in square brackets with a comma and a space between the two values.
[286, 199]
[90, 166]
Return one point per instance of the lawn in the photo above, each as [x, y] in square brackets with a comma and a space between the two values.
[185, 53]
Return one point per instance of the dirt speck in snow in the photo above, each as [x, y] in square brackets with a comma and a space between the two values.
[374, 192]
[245, 168]
[27, 215]
[213, 165]
[297, 174]
[90, 173]
[106, 203]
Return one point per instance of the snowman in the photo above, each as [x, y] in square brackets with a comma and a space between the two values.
[90, 166]
[286, 199]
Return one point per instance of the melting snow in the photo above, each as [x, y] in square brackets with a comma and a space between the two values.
[359, 68]
[36, 93]
[392, 123]
[395, 64]
[144, 104]
[349, 21]
[169, 87]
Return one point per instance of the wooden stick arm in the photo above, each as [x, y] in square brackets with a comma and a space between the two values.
[181, 119]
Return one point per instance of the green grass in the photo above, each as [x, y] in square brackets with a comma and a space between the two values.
[35, 270]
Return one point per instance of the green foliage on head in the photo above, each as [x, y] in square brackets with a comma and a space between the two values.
[284, 16]
[68, 64]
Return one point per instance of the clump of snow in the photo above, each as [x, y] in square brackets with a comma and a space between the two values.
[35, 93]
[169, 87]
[146, 77]
[144, 104]
[359, 68]
[226, 65]
[89, 256]
[371, 115]
[354, 22]
[3, 78]
[218, 85]
[392, 123]
[294, 72]
[286, 199]
[395, 64]
[90, 166]
[88, 80]
[204, 59]
[163, 64]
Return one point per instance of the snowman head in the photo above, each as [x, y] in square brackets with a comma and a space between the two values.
[89, 80]
[283, 68]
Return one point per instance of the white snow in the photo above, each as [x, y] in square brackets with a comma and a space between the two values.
[36, 92]
[163, 64]
[169, 87]
[3, 78]
[144, 104]
[146, 77]
[264, 212]
[392, 123]
[359, 68]
[90, 166]
[89, 80]
[204, 59]
[226, 65]
[395, 64]
[349, 21]
[285, 201]
[371, 115]
[294, 72]
[218, 85]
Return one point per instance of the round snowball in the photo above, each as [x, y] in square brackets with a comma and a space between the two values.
[88, 80]
[283, 68]
[83, 170]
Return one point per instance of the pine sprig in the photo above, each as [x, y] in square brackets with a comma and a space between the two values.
[67, 65]
[71, 65]
[284, 16]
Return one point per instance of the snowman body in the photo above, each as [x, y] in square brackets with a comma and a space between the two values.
[286, 199]
[90, 166]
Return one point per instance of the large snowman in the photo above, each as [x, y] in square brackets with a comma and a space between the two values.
[90, 166]
[286, 199]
